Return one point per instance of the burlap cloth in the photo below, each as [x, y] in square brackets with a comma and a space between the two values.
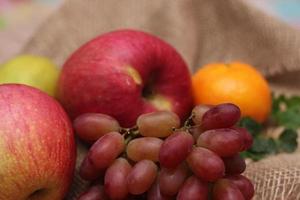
[203, 31]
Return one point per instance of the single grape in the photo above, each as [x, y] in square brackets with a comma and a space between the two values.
[158, 124]
[221, 116]
[175, 149]
[234, 164]
[248, 139]
[106, 149]
[193, 189]
[95, 192]
[224, 189]
[170, 180]
[155, 194]
[91, 126]
[198, 112]
[88, 171]
[244, 185]
[141, 177]
[206, 164]
[115, 180]
[144, 148]
[224, 142]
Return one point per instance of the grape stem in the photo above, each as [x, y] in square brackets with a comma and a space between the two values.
[130, 133]
[128, 139]
[188, 125]
[189, 122]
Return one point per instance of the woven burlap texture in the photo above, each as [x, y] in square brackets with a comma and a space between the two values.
[203, 31]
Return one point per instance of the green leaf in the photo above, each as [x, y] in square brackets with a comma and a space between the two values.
[289, 118]
[288, 140]
[286, 111]
[293, 101]
[251, 125]
[264, 145]
[276, 104]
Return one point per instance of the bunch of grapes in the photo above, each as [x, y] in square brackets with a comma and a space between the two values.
[159, 160]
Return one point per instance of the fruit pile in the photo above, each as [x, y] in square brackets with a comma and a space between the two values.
[157, 159]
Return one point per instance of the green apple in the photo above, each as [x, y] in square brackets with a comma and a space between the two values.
[35, 71]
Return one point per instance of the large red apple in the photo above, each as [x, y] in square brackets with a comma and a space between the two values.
[124, 74]
[37, 149]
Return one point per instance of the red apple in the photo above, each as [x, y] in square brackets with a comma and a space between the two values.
[37, 149]
[124, 74]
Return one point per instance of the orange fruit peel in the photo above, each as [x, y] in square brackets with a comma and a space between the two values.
[237, 83]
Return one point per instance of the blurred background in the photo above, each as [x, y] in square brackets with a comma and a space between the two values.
[20, 18]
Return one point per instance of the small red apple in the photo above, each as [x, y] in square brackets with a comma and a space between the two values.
[124, 74]
[37, 148]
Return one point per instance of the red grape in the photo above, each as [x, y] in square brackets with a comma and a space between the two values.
[248, 140]
[170, 180]
[244, 185]
[175, 149]
[115, 180]
[95, 192]
[234, 165]
[216, 154]
[158, 124]
[221, 116]
[144, 148]
[88, 171]
[224, 189]
[206, 164]
[155, 194]
[106, 149]
[224, 142]
[193, 189]
[91, 126]
[198, 112]
[141, 177]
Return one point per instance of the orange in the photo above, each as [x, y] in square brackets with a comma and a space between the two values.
[236, 83]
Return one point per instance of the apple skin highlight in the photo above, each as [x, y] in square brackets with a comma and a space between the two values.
[124, 74]
[37, 145]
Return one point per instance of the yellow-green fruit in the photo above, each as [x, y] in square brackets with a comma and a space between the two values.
[35, 71]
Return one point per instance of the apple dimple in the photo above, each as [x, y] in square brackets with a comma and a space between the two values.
[148, 92]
